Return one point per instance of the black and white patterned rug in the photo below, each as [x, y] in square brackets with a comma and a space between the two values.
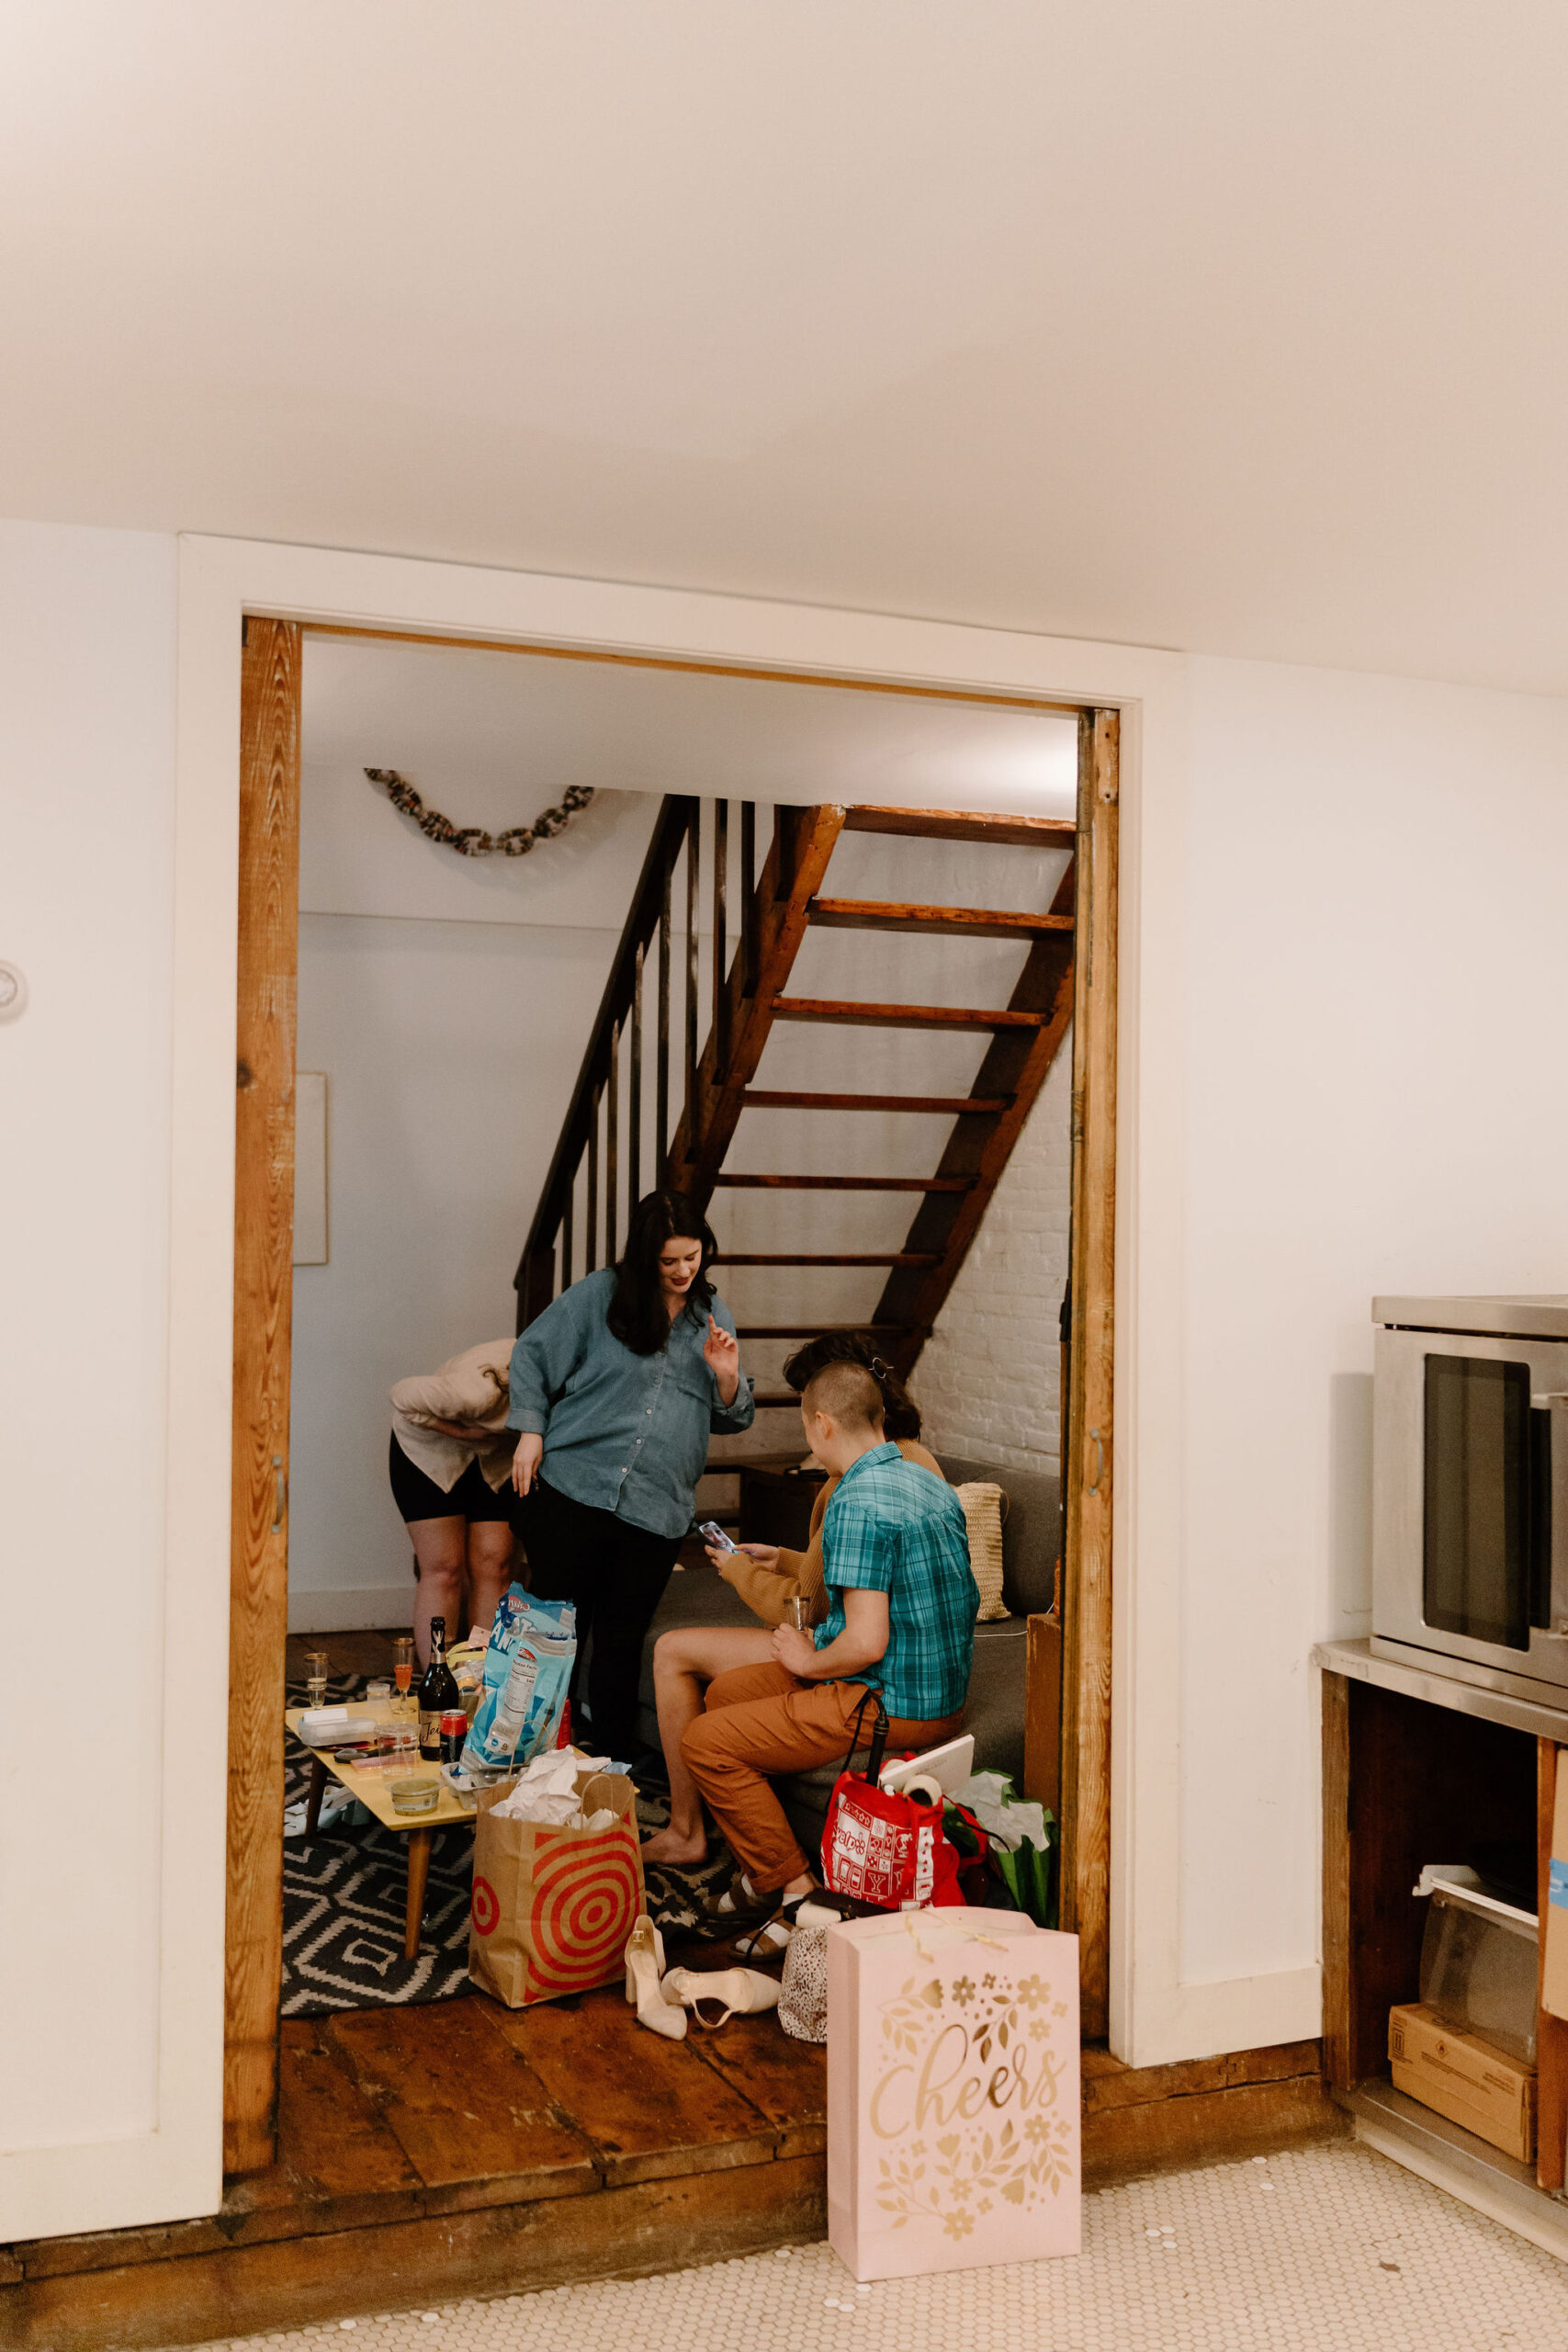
[345, 1896]
[346, 1891]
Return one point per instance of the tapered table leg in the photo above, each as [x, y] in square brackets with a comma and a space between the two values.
[419, 1874]
[314, 1801]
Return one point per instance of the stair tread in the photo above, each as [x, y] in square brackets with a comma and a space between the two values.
[811, 1330]
[847, 1183]
[831, 1257]
[963, 825]
[764, 1098]
[853, 1013]
[963, 922]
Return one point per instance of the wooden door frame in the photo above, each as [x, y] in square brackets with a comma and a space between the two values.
[264, 1278]
[269, 786]
[1090, 1458]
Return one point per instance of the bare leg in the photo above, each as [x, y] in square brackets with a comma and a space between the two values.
[492, 1549]
[684, 1663]
[440, 1549]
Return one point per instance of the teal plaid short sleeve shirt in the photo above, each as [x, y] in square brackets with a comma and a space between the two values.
[894, 1528]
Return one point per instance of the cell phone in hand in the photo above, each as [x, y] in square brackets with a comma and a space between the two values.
[712, 1533]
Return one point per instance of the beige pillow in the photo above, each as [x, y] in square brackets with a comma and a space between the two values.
[985, 1507]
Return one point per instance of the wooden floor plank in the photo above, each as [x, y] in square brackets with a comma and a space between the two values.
[649, 2108]
[1207, 2127]
[786, 2079]
[470, 2114]
[329, 2134]
[647, 2227]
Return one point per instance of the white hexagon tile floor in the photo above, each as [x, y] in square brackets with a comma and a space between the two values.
[1325, 2249]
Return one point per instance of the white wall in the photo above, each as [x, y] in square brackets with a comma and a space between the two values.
[1345, 942]
[1373, 885]
[87, 787]
[448, 1000]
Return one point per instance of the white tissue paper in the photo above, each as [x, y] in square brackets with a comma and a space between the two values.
[1004, 1816]
[546, 1790]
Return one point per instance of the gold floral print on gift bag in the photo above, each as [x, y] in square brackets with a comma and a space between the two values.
[953, 2092]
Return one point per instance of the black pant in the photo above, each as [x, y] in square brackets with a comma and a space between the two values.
[615, 1574]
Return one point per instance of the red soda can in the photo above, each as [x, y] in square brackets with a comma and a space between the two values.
[454, 1732]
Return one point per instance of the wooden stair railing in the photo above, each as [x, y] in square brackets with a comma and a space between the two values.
[619, 1040]
[746, 994]
[596, 1174]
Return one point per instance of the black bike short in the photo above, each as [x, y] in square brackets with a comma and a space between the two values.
[418, 1497]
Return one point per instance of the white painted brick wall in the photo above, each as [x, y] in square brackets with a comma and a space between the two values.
[989, 1376]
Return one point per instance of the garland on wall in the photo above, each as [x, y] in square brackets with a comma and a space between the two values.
[472, 841]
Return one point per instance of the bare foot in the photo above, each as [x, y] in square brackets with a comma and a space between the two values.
[679, 1852]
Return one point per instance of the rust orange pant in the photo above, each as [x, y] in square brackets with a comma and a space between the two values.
[761, 1721]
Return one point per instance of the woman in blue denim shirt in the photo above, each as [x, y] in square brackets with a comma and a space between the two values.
[616, 1388]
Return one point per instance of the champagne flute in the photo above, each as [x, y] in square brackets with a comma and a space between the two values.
[402, 1664]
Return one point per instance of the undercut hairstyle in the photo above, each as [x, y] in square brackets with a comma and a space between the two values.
[848, 1393]
[637, 1315]
[900, 1414]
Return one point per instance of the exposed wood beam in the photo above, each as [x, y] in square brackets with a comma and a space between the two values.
[1091, 1470]
[264, 1236]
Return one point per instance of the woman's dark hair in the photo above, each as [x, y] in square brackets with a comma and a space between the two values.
[900, 1414]
[637, 1316]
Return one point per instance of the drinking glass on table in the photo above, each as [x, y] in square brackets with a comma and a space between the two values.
[402, 1664]
[316, 1677]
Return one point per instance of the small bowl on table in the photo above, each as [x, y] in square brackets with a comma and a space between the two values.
[416, 1793]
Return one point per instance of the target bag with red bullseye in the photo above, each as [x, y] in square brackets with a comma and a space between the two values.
[554, 1908]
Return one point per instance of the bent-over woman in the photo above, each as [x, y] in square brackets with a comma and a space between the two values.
[450, 1464]
[616, 1389]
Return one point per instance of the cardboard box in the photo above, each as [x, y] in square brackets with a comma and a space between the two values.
[1554, 1926]
[1464, 2078]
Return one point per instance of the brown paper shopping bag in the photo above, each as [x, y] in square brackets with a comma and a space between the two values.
[953, 2092]
[553, 1909]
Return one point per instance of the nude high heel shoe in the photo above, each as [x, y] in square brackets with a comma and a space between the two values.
[738, 1992]
[645, 1967]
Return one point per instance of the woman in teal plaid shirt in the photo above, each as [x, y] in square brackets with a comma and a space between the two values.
[901, 1621]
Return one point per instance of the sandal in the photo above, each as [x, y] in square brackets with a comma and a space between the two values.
[736, 1992]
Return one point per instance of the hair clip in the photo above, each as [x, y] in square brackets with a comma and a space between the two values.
[880, 1371]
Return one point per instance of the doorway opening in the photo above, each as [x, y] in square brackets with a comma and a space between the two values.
[575, 1110]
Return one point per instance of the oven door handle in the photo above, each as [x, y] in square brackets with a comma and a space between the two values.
[1557, 1610]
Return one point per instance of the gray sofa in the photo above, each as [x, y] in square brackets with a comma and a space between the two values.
[1031, 1538]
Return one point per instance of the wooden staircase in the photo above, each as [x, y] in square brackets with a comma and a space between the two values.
[619, 1120]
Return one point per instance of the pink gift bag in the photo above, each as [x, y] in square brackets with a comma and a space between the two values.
[953, 2092]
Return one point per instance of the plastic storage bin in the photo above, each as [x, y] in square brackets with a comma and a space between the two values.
[1478, 1961]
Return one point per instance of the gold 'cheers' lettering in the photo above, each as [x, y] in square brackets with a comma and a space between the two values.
[948, 2091]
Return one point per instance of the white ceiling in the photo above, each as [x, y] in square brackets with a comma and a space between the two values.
[1218, 325]
[509, 732]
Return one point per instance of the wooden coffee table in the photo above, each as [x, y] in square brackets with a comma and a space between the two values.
[374, 1792]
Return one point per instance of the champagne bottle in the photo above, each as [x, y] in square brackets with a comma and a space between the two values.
[438, 1692]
